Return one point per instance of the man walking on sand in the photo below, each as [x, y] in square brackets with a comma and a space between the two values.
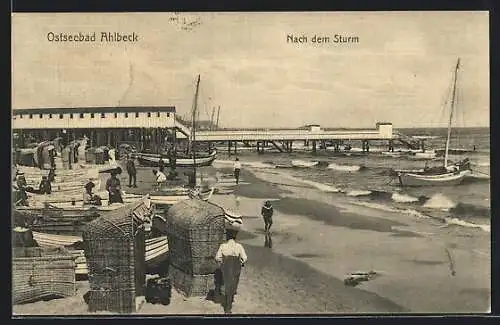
[267, 212]
[132, 172]
[237, 168]
[230, 257]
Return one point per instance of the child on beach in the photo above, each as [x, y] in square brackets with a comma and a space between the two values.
[160, 178]
[267, 213]
[237, 168]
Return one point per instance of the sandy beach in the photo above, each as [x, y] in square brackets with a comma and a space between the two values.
[318, 238]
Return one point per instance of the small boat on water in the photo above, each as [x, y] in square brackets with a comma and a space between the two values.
[153, 161]
[445, 175]
[454, 151]
[441, 179]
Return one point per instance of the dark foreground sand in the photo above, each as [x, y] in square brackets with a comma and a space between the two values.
[316, 241]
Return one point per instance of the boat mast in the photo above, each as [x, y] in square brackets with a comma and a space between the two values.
[451, 114]
[217, 123]
[212, 119]
[193, 130]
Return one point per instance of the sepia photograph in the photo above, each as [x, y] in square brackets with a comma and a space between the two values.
[250, 163]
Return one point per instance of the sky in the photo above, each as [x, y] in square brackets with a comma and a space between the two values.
[400, 71]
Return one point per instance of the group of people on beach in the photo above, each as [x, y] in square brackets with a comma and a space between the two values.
[21, 188]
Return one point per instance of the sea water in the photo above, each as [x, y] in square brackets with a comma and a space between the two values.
[370, 178]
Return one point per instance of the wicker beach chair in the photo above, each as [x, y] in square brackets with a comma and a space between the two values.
[114, 248]
[195, 230]
[39, 273]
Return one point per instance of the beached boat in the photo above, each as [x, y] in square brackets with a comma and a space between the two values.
[35, 171]
[446, 175]
[73, 196]
[63, 218]
[151, 161]
[163, 198]
[156, 249]
[303, 163]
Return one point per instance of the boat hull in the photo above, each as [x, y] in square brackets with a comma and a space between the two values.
[156, 249]
[456, 151]
[448, 179]
[150, 161]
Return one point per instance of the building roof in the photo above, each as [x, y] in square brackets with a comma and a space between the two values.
[77, 110]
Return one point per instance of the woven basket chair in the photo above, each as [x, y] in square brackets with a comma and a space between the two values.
[195, 230]
[114, 246]
[39, 273]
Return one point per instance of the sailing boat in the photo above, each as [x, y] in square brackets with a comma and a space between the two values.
[172, 195]
[153, 160]
[447, 174]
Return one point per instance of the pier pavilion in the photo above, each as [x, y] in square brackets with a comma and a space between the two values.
[314, 135]
[103, 125]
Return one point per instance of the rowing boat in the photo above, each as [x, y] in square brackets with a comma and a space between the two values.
[152, 161]
[156, 249]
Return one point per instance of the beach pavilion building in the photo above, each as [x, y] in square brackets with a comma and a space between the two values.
[149, 125]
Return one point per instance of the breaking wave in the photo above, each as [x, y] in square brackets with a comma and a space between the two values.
[358, 193]
[403, 198]
[344, 168]
[439, 201]
[397, 199]
[252, 164]
[463, 223]
[304, 163]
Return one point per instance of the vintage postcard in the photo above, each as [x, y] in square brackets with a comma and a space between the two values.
[250, 163]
